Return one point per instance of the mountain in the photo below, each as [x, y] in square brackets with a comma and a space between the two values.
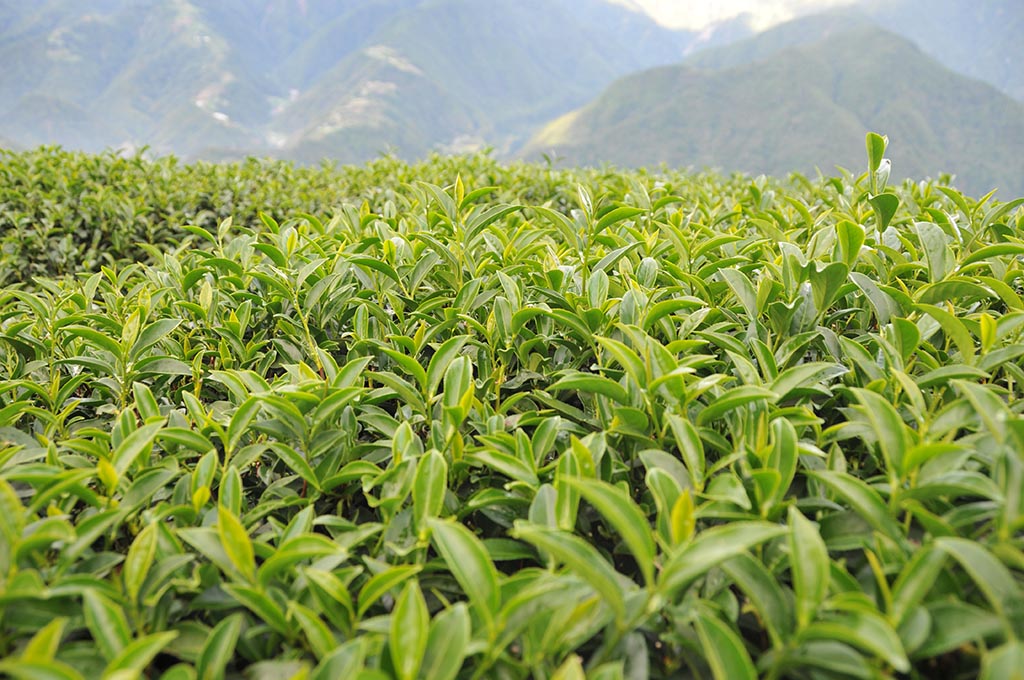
[313, 79]
[111, 72]
[981, 38]
[516, 63]
[799, 32]
[307, 79]
[802, 108]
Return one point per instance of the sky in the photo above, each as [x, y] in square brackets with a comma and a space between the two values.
[698, 14]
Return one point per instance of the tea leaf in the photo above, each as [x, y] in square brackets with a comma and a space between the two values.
[218, 649]
[711, 547]
[621, 512]
[409, 631]
[809, 563]
[447, 644]
[581, 558]
[468, 561]
[724, 650]
[235, 540]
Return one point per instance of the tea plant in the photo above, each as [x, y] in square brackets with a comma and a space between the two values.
[517, 423]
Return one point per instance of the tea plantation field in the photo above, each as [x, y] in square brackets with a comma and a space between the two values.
[469, 420]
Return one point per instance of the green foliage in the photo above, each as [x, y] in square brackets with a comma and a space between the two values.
[482, 421]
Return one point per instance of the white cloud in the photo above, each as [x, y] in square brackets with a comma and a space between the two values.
[698, 14]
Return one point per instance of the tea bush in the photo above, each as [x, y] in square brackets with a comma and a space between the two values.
[460, 420]
[63, 212]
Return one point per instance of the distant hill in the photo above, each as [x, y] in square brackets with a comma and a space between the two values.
[306, 79]
[98, 73]
[458, 74]
[349, 80]
[980, 38]
[802, 108]
[799, 32]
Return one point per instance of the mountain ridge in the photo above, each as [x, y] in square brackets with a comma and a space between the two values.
[225, 79]
[242, 77]
[802, 108]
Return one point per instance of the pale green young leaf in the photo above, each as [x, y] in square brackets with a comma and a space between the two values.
[441, 359]
[318, 636]
[139, 560]
[469, 563]
[682, 519]
[429, 488]
[876, 145]
[219, 649]
[1004, 663]
[723, 649]
[594, 384]
[135, 446]
[240, 420]
[625, 516]
[107, 624]
[447, 644]
[567, 497]
[384, 582]
[410, 623]
[571, 669]
[410, 365]
[261, 604]
[885, 207]
[136, 656]
[809, 566]
[344, 662]
[742, 289]
[23, 669]
[236, 543]
[691, 449]
[712, 547]
[152, 334]
[46, 642]
[581, 558]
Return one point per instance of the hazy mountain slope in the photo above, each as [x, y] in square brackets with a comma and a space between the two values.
[39, 119]
[265, 33]
[308, 79]
[518, 60]
[332, 40]
[799, 32]
[362, 109]
[980, 38]
[119, 72]
[804, 108]
[444, 74]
